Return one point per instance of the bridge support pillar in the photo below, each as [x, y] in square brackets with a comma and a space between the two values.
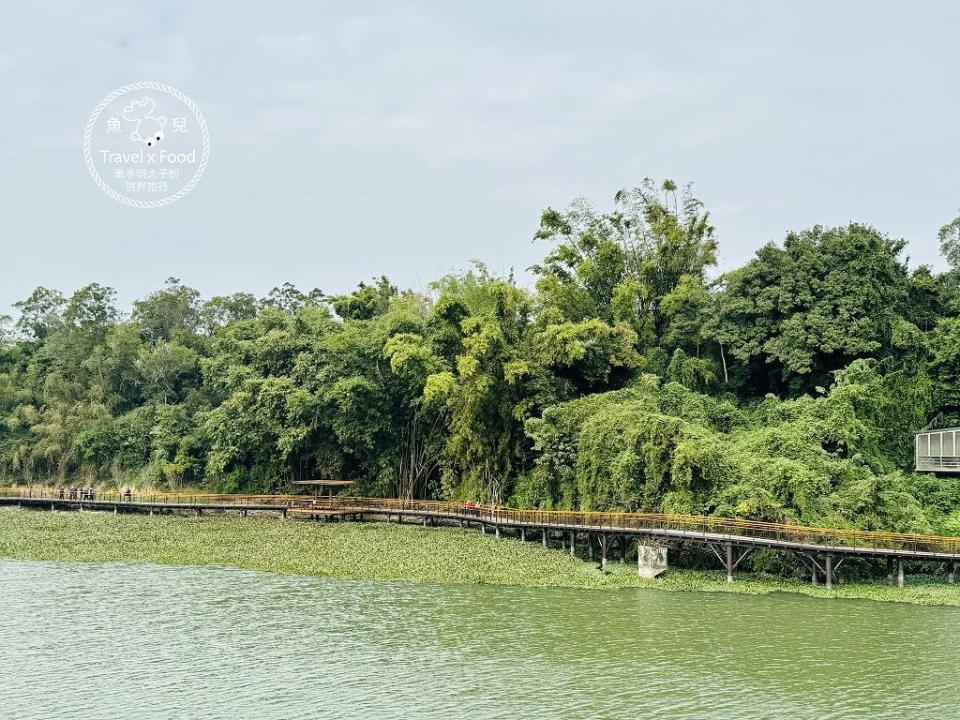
[899, 572]
[828, 571]
[496, 530]
[544, 537]
[199, 512]
[523, 534]
[623, 549]
[573, 543]
[951, 573]
[729, 560]
[603, 551]
[590, 546]
[651, 560]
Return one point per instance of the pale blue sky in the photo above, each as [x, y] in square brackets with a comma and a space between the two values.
[354, 139]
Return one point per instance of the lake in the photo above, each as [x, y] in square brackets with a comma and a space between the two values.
[118, 642]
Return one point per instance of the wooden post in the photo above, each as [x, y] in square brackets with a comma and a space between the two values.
[729, 563]
[828, 571]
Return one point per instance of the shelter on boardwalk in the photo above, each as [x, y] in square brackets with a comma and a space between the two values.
[938, 450]
[329, 485]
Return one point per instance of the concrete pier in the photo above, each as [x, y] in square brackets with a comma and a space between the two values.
[651, 561]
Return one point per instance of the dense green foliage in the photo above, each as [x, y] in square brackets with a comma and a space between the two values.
[786, 389]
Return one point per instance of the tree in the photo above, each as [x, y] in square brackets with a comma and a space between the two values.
[623, 265]
[221, 310]
[290, 299]
[798, 312]
[6, 332]
[949, 236]
[91, 309]
[40, 313]
[168, 313]
[167, 368]
[483, 391]
[366, 301]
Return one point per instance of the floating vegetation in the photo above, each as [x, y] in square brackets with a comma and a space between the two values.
[376, 551]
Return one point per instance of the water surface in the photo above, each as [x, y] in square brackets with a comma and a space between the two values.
[112, 641]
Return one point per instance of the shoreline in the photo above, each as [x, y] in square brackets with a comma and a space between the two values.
[381, 551]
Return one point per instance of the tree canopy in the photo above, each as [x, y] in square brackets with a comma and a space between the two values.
[632, 376]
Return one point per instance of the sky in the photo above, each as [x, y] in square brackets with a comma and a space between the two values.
[350, 140]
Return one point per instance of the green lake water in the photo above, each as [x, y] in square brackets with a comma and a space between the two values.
[115, 641]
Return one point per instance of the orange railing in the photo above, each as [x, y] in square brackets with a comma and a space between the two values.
[693, 524]
[158, 498]
[794, 535]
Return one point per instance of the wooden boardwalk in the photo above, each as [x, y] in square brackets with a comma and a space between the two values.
[731, 539]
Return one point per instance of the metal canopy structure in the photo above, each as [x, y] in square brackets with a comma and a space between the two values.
[938, 450]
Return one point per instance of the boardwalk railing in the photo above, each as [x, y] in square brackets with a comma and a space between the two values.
[213, 499]
[614, 522]
[599, 522]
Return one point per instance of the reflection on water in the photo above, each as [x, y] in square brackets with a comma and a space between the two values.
[128, 641]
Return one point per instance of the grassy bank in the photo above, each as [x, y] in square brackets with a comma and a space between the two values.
[374, 552]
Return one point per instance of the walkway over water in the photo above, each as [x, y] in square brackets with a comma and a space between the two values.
[731, 539]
